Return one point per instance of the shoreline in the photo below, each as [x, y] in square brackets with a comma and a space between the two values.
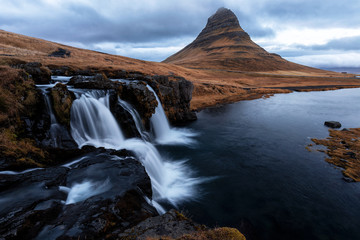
[200, 103]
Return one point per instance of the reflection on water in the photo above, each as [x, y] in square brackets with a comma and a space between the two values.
[268, 184]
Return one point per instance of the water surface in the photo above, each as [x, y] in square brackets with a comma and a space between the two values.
[268, 184]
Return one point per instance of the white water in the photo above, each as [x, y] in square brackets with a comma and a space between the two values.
[164, 134]
[93, 124]
[81, 191]
[15, 173]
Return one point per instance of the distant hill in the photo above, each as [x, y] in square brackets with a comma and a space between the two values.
[223, 44]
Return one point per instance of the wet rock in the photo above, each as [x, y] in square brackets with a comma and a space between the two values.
[39, 73]
[62, 100]
[141, 98]
[33, 205]
[124, 118]
[332, 124]
[99, 81]
[175, 94]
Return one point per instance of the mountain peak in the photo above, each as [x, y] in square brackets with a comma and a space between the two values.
[224, 20]
[223, 44]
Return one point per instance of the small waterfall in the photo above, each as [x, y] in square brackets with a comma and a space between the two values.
[92, 123]
[136, 117]
[163, 132]
[56, 129]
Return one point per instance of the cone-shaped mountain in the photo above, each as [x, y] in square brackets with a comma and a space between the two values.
[223, 44]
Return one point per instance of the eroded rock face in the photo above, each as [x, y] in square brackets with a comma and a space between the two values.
[34, 206]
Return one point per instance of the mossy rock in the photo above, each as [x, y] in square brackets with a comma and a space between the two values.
[62, 100]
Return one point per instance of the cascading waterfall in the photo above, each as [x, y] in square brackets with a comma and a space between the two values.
[163, 132]
[92, 123]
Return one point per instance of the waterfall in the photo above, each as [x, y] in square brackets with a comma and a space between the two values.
[56, 129]
[136, 117]
[92, 123]
[164, 134]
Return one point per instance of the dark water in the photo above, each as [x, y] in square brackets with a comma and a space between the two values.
[268, 185]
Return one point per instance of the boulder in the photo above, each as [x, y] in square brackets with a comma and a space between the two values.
[175, 93]
[332, 124]
[141, 98]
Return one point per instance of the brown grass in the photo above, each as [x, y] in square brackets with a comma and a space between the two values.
[22, 152]
[17, 98]
[343, 150]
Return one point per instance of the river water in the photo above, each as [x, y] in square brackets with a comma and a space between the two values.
[263, 180]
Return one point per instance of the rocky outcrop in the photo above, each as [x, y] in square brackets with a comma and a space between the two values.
[140, 97]
[98, 81]
[60, 52]
[48, 208]
[39, 73]
[175, 93]
[62, 100]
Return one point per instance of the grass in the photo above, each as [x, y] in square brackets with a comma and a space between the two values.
[343, 150]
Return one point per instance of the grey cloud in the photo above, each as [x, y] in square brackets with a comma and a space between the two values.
[347, 44]
[317, 14]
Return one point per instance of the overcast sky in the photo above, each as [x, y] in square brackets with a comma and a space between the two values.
[319, 33]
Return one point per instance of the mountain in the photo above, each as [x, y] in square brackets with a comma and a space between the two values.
[223, 44]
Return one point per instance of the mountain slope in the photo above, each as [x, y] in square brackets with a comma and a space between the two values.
[223, 44]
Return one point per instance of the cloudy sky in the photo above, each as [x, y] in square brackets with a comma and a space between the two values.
[319, 33]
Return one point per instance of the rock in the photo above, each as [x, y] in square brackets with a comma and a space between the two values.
[62, 100]
[332, 124]
[172, 224]
[60, 52]
[39, 73]
[99, 81]
[175, 93]
[124, 118]
[141, 98]
[33, 204]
